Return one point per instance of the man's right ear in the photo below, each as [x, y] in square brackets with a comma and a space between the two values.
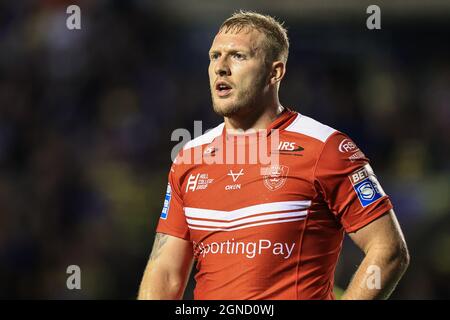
[278, 72]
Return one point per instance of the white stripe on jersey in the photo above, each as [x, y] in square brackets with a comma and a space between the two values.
[310, 127]
[247, 225]
[244, 212]
[206, 138]
[264, 217]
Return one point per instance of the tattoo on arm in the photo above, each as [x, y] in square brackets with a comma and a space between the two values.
[160, 241]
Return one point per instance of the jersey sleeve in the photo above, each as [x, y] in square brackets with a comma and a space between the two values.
[172, 220]
[348, 184]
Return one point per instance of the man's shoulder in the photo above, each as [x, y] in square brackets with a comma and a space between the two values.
[310, 128]
[205, 138]
[188, 157]
[184, 156]
[320, 139]
[335, 148]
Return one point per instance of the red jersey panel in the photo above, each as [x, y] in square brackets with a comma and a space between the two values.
[271, 231]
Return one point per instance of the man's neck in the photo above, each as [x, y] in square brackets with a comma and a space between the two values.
[253, 121]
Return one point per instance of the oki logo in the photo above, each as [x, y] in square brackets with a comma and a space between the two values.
[347, 146]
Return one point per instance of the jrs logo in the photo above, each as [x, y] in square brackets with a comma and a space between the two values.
[366, 185]
[289, 146]
[286, 146]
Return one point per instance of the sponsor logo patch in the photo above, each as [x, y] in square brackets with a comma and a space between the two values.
[366, 185]
[199, 181]
[347, 145]
[356, 156]
[249, 250]
[235, 176]
[289, 148]
[165, 210]
[209, 151]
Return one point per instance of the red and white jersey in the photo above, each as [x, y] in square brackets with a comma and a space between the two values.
[272, 232]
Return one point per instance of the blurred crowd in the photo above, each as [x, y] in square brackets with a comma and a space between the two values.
[86, 118]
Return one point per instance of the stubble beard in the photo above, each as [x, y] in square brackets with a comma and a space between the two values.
[246, 101]
[237, 106]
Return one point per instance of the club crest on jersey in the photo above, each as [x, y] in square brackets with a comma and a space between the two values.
[275, 176]
[366, 185]
[165, 210]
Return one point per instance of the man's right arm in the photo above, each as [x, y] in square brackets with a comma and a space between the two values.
[168, 269]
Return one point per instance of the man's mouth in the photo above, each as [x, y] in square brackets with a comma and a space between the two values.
[223, 89]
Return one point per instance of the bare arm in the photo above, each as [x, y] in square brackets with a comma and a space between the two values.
[168, 269]
[386, 253]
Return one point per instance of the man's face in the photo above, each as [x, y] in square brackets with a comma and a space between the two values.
[238, 74]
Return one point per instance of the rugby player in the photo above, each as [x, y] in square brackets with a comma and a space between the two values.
[270, 231]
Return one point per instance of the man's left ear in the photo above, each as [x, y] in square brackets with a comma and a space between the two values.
[278, 71]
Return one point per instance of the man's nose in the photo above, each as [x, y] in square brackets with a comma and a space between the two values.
[222, 68]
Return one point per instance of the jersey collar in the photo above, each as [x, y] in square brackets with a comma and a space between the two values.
[284, 119]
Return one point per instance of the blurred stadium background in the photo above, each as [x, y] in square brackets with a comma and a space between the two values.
[86, 118]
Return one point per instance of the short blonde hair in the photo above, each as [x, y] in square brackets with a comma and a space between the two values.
[277, 44]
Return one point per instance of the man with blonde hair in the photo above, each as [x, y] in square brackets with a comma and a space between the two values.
[270, 231]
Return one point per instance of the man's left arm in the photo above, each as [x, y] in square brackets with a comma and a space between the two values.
[386, 259]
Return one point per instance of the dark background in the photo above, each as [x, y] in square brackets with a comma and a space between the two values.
[86, 118]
